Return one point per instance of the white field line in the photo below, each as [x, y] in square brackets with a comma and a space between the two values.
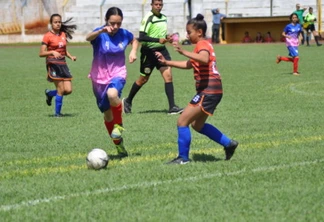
[155, 183]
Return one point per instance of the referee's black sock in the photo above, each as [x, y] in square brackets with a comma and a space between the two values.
[135, 88]
[169, 91]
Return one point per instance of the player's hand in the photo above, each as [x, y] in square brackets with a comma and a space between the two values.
[162, 41]
[107, 29]
[160, 57]
[73, 58]
[57, 55]
[132, 57]
[177, 47]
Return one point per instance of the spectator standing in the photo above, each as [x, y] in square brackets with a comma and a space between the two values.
[300, 12]
[217, 19]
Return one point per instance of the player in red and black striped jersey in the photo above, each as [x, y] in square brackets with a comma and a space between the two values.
[54, 49]
[208, 91]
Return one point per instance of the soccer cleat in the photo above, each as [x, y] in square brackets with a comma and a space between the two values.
[230, 149]
[278, 59]
[175, 110]
[48, 97]
[296, 74]
[127, 107]
[178, 160]
[58, 115]
[116, 134]
[319, 44]
[122, 152]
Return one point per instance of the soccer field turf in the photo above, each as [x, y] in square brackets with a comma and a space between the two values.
[276, 173]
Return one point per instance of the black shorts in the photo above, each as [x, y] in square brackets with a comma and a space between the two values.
[207, 103]
[58, 72]
[149, 60]
[310, 27]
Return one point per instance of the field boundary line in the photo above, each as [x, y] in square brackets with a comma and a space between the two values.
[147, 184]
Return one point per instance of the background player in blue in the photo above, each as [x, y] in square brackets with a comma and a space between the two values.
[291, 34]
[153, 36]
[108, 72]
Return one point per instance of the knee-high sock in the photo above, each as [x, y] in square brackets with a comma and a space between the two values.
[169, 91]
[135, 88]
[110, 127]
[184, 140]
[286, 59]
[58, 104]
[52, 93]
[296, 59]
[214, 134]
[117, 113]
[307, 40]
[316, 39]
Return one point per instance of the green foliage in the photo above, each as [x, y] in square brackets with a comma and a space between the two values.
[275, 175]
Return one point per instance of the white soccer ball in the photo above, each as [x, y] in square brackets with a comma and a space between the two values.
[97, 159]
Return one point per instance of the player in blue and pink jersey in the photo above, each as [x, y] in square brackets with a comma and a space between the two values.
[108, 72]
[209, 92]
[291, 34]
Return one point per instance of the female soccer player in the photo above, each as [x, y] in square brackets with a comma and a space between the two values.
[291, 33]
[108, 72]
[209, 92]
[54, 49]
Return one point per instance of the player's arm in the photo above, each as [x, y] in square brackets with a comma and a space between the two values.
[143, 37]
[44, 53]
[73, 58]
[93, 35]
[177, 64]
[132, 55]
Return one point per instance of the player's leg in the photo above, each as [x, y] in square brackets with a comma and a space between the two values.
[59, 84]
[146, 68]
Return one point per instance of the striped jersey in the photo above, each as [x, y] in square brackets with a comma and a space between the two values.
[154, 27]
[207, 77]
[55, 42]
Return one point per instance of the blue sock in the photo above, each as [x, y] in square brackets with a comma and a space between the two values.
[52, 93]
[184, 140]
[58, 104]
[214, 134]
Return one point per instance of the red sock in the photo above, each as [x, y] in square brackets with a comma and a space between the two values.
[110, 127]
[296, 59]
[286, 59]
[117, 113]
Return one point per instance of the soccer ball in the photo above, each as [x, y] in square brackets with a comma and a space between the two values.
[97, 159]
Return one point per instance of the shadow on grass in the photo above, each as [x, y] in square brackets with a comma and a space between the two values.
[201, 157]
[153, 111]
[117, 157]
[67, 115]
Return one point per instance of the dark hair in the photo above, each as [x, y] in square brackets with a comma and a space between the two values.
[152, 2]
[113, 11]
[292, 14]
[65, 27]
[198, 23]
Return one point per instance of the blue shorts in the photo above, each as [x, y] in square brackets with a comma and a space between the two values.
[293, 51]
[100, 92]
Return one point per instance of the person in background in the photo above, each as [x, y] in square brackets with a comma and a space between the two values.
[310, 19]
[259, 38]
[291, 34]
[217, 21]
[54, 49]
[300, 12]
[246, 38]
[108, 72]
[268, 38]
[153, 36]
[208, 95]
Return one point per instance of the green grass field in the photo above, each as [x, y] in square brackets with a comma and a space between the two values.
[275, 175]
